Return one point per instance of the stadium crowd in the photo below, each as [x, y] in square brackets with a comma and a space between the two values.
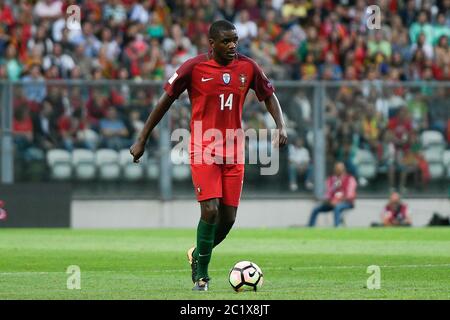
[291, 39]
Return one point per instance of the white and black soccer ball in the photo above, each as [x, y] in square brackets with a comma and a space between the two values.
[246, 275]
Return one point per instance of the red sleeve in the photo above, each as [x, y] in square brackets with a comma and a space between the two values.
[260, 84]
[180, 80]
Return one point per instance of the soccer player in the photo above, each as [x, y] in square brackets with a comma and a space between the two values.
[217, 83]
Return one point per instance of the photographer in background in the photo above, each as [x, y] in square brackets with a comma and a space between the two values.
[396, 212]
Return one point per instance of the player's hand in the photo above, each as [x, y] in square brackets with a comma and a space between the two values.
[280, 137]
[137, 150]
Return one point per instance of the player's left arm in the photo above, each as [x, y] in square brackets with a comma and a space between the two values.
[274, 108]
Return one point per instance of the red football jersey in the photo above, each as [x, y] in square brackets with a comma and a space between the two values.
[217, 94]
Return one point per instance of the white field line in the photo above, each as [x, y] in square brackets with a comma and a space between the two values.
[220, 270]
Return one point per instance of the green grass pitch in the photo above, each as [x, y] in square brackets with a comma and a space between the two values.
[297, 263]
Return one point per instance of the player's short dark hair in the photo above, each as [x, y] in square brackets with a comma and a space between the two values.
[218, 26]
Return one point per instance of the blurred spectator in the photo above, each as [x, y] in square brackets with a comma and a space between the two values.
[6, 14]
[48, 9]
[421, 44]
[287, 51]
[388, 157]
[265, 53]
[438, 110]
[177, 43]
[36, 90]
[418, 109]
[442, 51]
[72, 131]
[378, 43]
[57, 58]
[270, 26]
[293, 10]
[340, 195]
[113, 130]
[299, 162]
[370, 128]
[309, 69]
[247, 30]
[12, 64]
[82, 61]
[136, 123]
[401, 127]
[330, 64]
[140, 12]
[421, 26]
[110, 45]
[413, 163]
[441, 28]
[22, 130]
[396, 212]
[41, 41]
[114, 12]
[88, 40]
[227, 9]
[45, 128]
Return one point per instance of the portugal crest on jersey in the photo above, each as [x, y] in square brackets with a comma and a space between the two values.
[226, 78]
[242, 80]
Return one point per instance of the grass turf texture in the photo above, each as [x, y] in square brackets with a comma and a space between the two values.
[297, 263]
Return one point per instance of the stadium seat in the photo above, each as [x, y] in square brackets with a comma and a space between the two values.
[181, 172]
[436, 170]
[433, 155]
[131, 171]
[107, 162]
[366, 163]
[83, 162]
[434, 158]
[431, 139]
[180, 165]
[152, 168]
[60, 164]
[446, 162]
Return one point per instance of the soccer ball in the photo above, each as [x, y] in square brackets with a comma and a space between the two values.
[246, 275]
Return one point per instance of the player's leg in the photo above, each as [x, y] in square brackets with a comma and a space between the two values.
[225, 221]
[206, 231]
[232, 179]
[207, 180]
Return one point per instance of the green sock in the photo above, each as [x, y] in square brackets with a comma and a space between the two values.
[203, 251]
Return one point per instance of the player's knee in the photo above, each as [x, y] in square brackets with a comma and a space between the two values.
[210, 211]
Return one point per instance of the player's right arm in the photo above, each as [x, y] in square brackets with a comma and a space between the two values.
[179, 82]
[175, 85]
[164, 103]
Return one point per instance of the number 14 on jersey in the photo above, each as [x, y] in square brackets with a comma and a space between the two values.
[226, 103]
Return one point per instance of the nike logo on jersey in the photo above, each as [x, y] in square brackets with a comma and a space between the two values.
[206, 79]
